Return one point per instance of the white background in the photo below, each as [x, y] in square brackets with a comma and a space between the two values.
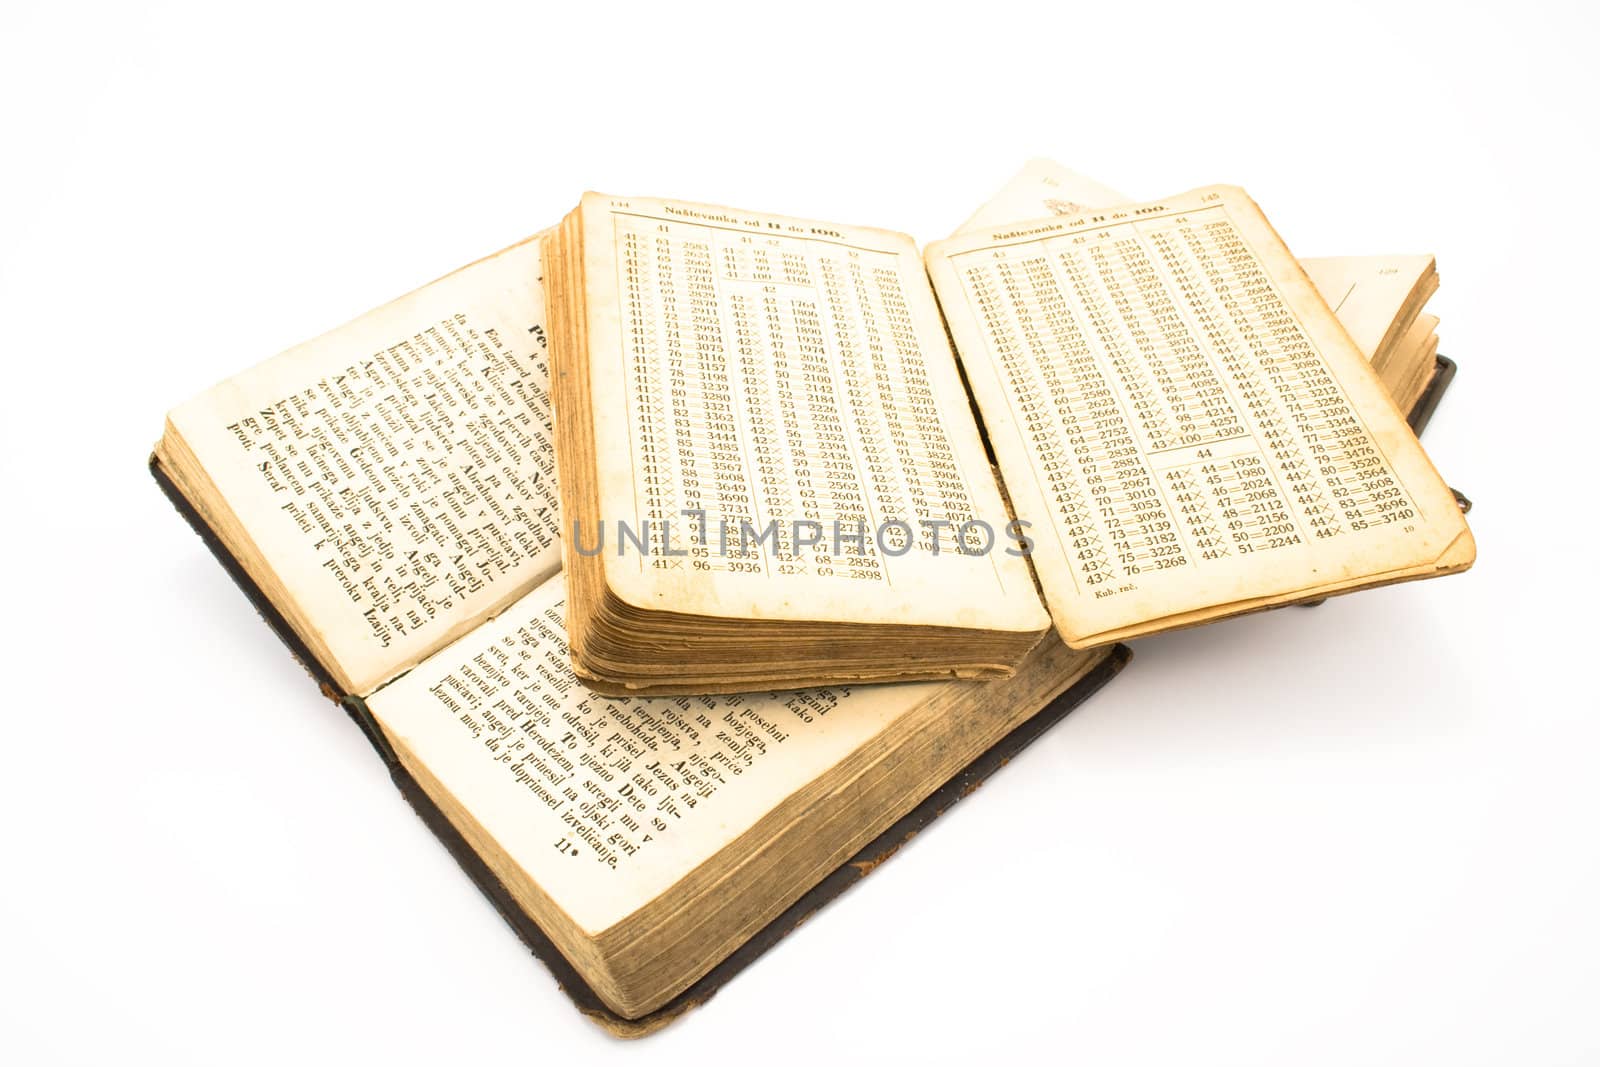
[1364, 833]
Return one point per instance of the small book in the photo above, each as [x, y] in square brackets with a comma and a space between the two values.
[767, 415]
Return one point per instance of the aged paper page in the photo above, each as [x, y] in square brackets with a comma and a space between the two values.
[772, 375]
[1374, 297]
[607, 801]
[396, 474]
[1180, 416]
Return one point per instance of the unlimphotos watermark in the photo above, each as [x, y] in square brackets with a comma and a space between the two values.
[741, 537]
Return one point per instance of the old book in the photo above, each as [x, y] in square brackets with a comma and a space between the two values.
[1182, 431]
[385, 495]
[1377, 299]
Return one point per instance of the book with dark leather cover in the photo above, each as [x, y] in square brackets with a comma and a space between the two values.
[1444, 372]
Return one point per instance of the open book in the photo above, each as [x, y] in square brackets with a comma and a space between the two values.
[386, 495]
[1181, 427]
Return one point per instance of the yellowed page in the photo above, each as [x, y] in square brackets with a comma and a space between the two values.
[1419, 343]
[607, 801]
[754, 372]
[1411, 367]
[396, 473]
[1367, 293]
[1179, 415]
[1371, 294]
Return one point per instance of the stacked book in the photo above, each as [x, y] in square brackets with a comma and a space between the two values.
[683, 561]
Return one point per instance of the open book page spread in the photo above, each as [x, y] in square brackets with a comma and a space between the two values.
[397, 472]
[758, 373]
[1179, 415]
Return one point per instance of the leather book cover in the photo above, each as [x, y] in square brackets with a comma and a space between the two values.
[1444, 371]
